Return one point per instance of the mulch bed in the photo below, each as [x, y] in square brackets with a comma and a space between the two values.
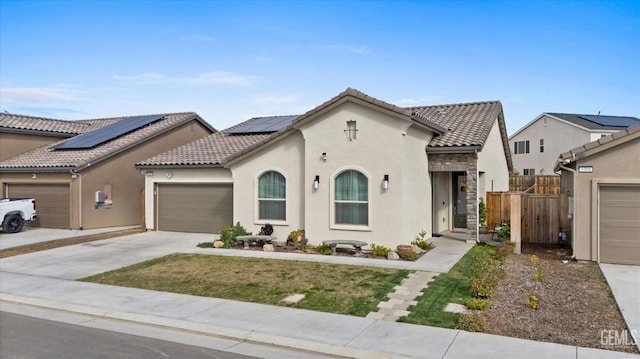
[575, 302]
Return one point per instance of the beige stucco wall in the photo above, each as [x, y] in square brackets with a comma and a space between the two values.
[177, 175]
[13, 144]
[617, 165]
[493, 164]
[559, 137]
[385, 144]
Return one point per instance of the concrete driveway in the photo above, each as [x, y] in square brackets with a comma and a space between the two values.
[624, 281]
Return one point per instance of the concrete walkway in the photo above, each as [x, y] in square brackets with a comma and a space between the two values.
[46, 280]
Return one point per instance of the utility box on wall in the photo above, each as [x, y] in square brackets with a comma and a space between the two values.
[99, 196]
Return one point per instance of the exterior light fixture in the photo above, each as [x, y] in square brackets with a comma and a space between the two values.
[316, 182]
[149, 173]
[385, 182]
[324, 156]
[34, 176]
[169, 175]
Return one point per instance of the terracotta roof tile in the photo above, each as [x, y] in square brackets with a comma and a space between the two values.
[41, 124]
[47, 158]
[467, 124]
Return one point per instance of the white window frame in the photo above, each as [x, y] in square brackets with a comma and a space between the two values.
[332, 202]
[256, 207]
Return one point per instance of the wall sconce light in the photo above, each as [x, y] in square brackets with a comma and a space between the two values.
[74, 175]
[385, 182]
[34, 176]
[149, 173]
[169, 175]
[324, 156]
[316, 182]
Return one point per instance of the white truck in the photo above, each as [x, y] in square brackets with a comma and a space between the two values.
[15, 211]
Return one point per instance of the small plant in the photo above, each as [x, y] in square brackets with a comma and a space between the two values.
[482, 211]
[534, 260]
[408, 256]
[323, 249]
[477, 304]
[539, 275]
[470, 322]
[532, 301]
[505, 231]
[297, 239]
[379, 251]
[205, 245]
[504, 250]
[421, 243]
[230, 233]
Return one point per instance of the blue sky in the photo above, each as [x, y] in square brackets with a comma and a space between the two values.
[232, 60]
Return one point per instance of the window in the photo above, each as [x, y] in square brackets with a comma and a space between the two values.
[521, 147]
[272, 196]
[352, 198]
[541, 145]
[529, 171]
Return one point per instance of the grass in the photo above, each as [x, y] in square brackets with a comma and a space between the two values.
[451, 287]
[341, 289]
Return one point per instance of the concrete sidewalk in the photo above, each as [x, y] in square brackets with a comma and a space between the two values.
[47, 280]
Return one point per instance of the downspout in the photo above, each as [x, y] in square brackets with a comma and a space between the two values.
[74, 173]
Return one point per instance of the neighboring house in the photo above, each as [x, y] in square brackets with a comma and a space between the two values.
[602, 179]
[354, 167]
[19, 134]
[536, 146]
[82, 173]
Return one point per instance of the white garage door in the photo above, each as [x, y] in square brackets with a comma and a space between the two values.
[619, 224]
[200, 208]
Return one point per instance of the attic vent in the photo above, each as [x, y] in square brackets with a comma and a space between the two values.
[351, 130]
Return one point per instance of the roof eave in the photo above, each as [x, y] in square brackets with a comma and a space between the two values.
[37, 169]
[454, 149]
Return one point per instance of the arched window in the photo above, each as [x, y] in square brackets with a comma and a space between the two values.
[272, 192]
[352, 198]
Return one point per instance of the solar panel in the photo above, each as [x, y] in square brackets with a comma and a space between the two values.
[94, 138]
[614, 121]
[265, 124]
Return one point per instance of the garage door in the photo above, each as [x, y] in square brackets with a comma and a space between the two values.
[53, 203]
[619, 225]
[194, 207]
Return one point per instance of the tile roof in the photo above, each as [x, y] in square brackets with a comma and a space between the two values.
[46, 158]
[467, 124]
[599, 145]
[458, 125]
[41, 125]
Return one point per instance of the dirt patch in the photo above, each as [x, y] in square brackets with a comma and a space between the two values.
[575, 304]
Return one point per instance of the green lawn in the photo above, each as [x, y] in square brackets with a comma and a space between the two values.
[327, 287]
[451, 287]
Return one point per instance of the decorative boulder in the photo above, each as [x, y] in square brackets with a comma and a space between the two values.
[218, 244]
[393, 256]
[267, 248]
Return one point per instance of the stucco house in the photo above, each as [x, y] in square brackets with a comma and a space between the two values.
[602, 179]
[353, 167]
[82, 173]
[535, 147]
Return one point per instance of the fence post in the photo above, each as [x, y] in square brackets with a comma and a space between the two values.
[516, 222]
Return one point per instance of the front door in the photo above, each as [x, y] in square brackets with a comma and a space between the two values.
[459, 200]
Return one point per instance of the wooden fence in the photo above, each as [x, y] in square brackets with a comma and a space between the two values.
[535, 184]
[543, 216]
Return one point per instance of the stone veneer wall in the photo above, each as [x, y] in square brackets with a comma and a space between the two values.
[461, 162]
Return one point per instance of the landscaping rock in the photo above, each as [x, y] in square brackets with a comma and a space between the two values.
[218, 244]
[393, 256]
[267, 248]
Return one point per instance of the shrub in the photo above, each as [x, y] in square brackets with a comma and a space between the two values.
[323, 249]
[230, 233]
[470, 322]
[539, 275]
[532, 301]
[486, 273]
[205, 245]
[421, 243]
[482, 211]
[505, 231]
[297, 239]
[379, 251]
[534, 260]
[408, 256]
[504, 250]
[478, 304]
[266, 230]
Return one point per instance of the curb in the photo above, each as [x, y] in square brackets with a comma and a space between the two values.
[203, 329]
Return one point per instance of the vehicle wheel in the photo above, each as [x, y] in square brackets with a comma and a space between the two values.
[13, 224]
